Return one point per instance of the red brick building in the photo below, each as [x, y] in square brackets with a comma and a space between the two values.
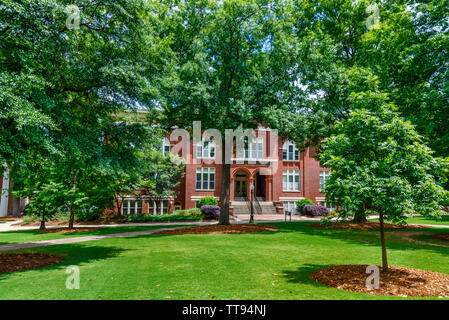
[281, 175]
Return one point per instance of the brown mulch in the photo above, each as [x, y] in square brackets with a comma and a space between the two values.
[399, 281]
[10, 262]
[9, 219]
[218, 229]
[67, 230]
[441, 236]
[363, 226]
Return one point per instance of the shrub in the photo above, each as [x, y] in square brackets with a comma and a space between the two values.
[303, 202]
[207, 201]
[88, 214]
[188, 213]
[211, 212]
[316, 211]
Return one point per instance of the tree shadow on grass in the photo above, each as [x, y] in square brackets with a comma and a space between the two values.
[76, 254]
[302, 274]
[395, 239]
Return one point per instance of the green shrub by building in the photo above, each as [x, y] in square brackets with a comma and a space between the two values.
[207, 201]
[303, 202]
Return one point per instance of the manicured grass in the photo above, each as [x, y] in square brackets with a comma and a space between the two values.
[424, 220]
[269, 265]
[35, 235]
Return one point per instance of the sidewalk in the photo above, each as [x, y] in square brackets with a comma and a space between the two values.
[44, 243]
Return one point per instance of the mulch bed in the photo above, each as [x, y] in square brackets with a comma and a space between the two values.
[218, 229]
[9, 219]
[67, 230]
[441, 236]
[399, 281]
[363, 226]
[10, 262]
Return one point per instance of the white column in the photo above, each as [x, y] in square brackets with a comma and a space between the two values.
[154, 208]
[162, 208]
[5, 194]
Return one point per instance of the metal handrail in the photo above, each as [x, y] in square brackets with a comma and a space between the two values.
[258, 207]
[248, 203]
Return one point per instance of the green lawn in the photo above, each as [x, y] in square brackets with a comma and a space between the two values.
[35, 235]
[270, 265]
[422, 220]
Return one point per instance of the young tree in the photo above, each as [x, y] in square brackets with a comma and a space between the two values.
[379, 160]
[161, 175]
[233, 63]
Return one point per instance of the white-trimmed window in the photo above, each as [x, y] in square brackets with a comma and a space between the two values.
[205, 178]
[290, 206]
[158, 207]
[253, 149]
[290, 152]
[290, 180]
[324, 176]
[131, 207]
[205, 149]
[165, 146]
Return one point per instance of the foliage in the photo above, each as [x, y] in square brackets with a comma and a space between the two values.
[379, 160]
[188, 213]
[233, 63]
[314, 210]
[303, 202]
[61, 91]
[160, 175]
[211, 212]
[207, 201]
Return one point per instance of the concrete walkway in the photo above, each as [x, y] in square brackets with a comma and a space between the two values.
[44, 243]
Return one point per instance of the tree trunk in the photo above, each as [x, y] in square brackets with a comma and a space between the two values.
[225, 190]
[72, 209]
[359, 216]
[72, 217]
[382, 240]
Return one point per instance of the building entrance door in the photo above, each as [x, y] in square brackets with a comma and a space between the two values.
[240, 187]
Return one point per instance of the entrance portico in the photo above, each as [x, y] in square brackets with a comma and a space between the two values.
[241, 180]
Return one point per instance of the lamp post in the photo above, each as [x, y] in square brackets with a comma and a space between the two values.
[42, 227]
[251, 219]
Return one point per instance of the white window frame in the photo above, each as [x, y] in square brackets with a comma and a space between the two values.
[252, 149]
[132, 204]
[206, 149]
[166, 145]
[157, 207]
[288, 181]
[290, 152]
[205, 172]
[324, 176]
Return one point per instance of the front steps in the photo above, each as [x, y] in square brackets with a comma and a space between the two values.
[241, 207]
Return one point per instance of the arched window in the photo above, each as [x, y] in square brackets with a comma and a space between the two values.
[290, 152]
[205, 149]
[165, 146]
